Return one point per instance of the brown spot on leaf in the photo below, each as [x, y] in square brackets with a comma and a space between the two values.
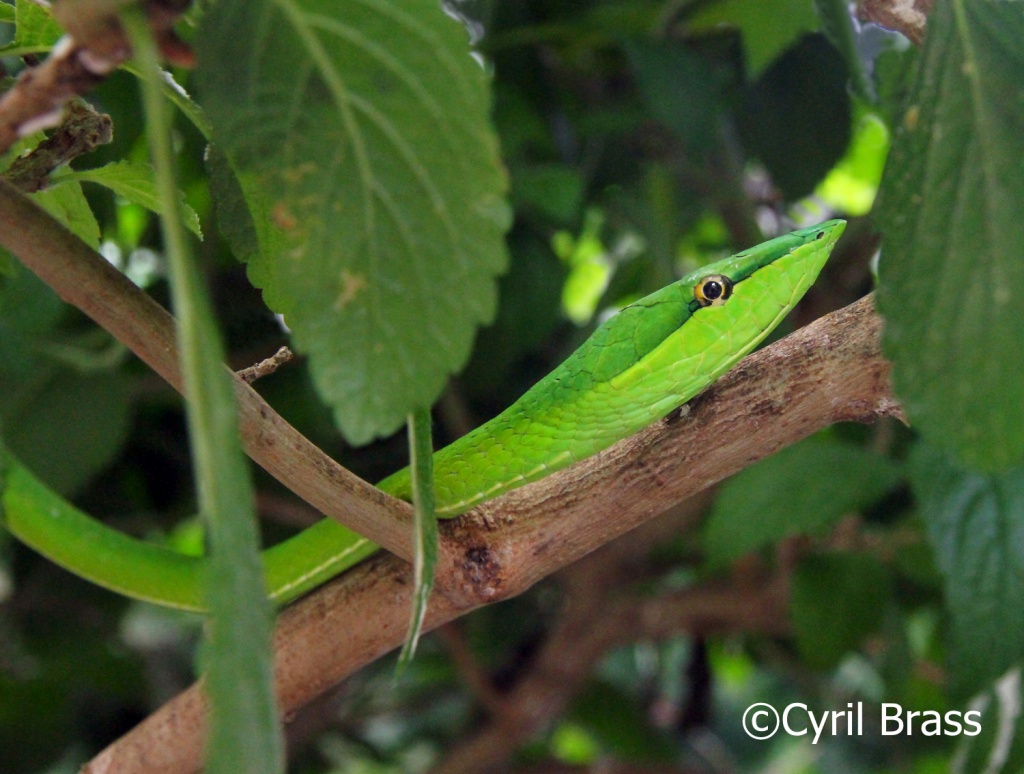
[352, 285]
[283, 217]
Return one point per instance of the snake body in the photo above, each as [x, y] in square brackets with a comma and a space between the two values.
[642, 363]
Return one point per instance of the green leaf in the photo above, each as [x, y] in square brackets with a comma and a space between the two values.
[975, 524]
[852, 184]
[1000, 744]
[768, 29]
[244, 731]
[36, 29]
[66, 426]
[175, 93]
[837, 24]
[615, 720]
[421, 463]
[29, 310]
[360, 136]
[590, 265]
[951, 276]
[796, 118]
[837, 600]
[68, 204]
[801, 489]
[681, 91]
[132, 181]
[530, 309]
[7, 13]
[552, 190]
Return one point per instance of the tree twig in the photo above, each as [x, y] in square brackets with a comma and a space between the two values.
[266, 367]
[81, 131]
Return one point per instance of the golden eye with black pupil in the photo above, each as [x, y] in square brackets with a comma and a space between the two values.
[713, 290]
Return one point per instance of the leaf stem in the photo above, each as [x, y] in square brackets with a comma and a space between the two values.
[245, 735]
[421, 465]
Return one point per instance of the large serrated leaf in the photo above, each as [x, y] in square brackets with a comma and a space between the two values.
[976, 527]
[952, 278]
[359, 133]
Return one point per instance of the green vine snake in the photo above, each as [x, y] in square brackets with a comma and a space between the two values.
[637, 367]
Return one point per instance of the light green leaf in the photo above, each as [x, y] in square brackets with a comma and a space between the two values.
[132, 181]
[359, 133]
[852, 184]
[68, 204]
[768, 29]
[7, 13]
[36, 29]
[951, 276]
[975, 524]
[801, 489]
[837, 600]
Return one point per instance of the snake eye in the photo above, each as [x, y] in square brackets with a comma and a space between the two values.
[713, 290]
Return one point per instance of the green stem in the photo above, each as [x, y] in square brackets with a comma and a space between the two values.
[245, 735]
[421, 467]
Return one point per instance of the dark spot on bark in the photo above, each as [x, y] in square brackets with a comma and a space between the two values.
[482, 572]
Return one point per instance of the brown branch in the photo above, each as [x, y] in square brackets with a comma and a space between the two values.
[82, 277]
[909, 17]
[827, 372]
[82, 130]
[266, 367]
[94, 47]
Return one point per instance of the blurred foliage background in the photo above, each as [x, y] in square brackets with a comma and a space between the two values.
[641, 139]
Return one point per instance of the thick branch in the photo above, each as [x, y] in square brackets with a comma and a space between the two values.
[82, 277]
[827, 372]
